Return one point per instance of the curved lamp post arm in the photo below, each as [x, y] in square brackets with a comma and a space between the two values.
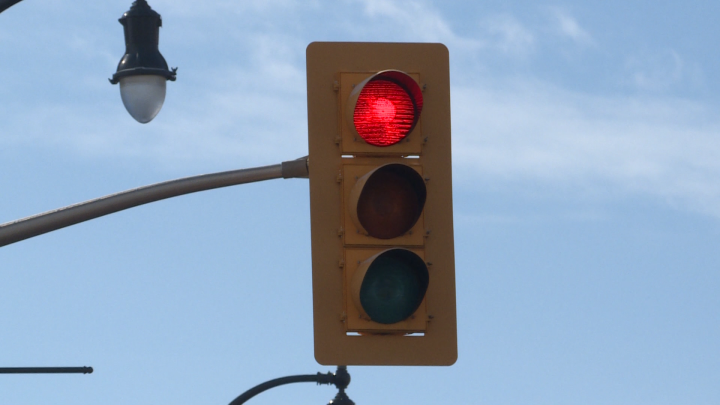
[6, 4]
[26, 228]
[341, 379]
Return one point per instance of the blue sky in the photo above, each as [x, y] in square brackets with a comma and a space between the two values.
[586, 203]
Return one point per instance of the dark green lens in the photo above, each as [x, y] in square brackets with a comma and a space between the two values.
[394, 286]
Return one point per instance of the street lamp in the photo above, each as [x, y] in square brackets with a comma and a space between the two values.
[142, 71]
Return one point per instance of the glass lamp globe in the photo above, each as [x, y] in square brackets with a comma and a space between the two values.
[143, 96]
[142, 72]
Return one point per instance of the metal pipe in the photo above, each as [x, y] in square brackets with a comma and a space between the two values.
[29, 227]
[6, 4]
[276, 383]
[341, 380]
[46, 370]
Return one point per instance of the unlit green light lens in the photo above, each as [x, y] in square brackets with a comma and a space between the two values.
[394, 286]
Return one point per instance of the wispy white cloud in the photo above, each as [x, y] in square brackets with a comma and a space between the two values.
[533, 133]
[413, 16]
[249, 7]
[417, 20]
[661, 71]
[568, 26]
[408, 20]
[509, 35]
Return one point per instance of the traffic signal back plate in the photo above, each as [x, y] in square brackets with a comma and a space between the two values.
[429, 335]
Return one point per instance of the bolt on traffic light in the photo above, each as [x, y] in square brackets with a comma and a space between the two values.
[381, 204]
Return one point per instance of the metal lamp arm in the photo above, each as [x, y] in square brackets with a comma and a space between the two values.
[341, 379]
[6, 4]
[29, 227]
[278, 382]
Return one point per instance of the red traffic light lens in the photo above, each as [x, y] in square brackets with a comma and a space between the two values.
[387, 108]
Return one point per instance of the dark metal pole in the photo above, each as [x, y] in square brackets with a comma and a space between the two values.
[6, 4]
[341, 379]
[25, 228]
[46, 370]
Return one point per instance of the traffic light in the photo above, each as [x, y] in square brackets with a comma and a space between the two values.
[381, 204]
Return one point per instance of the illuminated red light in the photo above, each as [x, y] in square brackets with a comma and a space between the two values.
[386, 111]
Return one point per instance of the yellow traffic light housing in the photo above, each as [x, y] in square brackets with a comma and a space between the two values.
[381, 204]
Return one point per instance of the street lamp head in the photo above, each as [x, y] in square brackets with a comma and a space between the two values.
[142, 71]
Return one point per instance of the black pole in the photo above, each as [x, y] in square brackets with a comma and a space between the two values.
[6, 4]
[341, 379]
[46, 370]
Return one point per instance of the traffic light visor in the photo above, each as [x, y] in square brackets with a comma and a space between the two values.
[388, 201]
[385, 107]
[390, 286]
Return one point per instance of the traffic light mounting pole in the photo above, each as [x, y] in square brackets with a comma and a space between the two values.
[341, 380]
[29, 227]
